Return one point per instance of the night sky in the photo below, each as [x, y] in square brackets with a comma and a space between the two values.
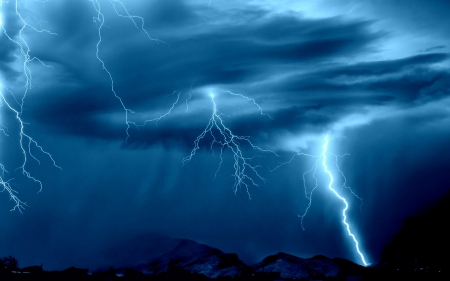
[373, 75]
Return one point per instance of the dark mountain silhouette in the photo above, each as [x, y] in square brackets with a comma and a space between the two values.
[139, 250]
[190, 260]
[317, 267]
[196, 258]
[419, 251]
[159, 255]
[422, 243]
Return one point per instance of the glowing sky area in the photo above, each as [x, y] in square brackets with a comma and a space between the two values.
[372, 75]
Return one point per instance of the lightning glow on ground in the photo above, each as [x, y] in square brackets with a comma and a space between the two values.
[7, 98]
[224, 138]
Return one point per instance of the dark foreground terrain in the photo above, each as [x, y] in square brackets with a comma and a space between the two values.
[371, 274]
[419, 251]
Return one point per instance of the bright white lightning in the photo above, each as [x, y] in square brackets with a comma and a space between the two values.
[344, 184]
[330, 186]
[309, 191]
[25, 49]
[224, 138]
[25, 142]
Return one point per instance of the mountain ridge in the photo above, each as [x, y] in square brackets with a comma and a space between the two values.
[197, 258]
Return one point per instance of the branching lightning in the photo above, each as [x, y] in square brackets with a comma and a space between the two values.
[309, 191]
[24, 48]
[344, 183]
[164, 115]
[25, 142]
[252, 100]
[228, 139]
[224, 138]
[100, 19]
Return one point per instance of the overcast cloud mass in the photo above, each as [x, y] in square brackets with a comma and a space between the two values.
[373, 75]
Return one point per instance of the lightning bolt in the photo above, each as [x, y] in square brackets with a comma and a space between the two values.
[309, 191]
[24, 48]
[100, 19]
[164, 115]
[224, 138]
[25, 141]
[344, 183]
[26, 150]
[330, 187]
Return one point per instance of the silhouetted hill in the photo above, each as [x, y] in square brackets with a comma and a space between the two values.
[196, 258]
[317, 267]
[422, 243]
[165, 258]
[139, 250]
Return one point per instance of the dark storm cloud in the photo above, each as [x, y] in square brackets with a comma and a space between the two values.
[7, 58]
[169, 14]
[385, 67]
[8, 48]
[307, 73]
[83, 118]
[398, 81]
[431, 49]
[252, 45]
[420, 85]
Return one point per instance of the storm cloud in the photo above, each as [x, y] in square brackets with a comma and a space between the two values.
[376, 82]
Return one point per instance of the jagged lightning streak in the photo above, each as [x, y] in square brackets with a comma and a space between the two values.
[132, 19]
[226, 139]
[19, 205]
[309, 193]
[252, 100]
[344, 183]
[100, 18]
[163, 115]
[26, 149]
[24, 48]
[5, 184]
[330, 186]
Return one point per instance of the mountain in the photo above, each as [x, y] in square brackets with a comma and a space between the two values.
[317, 267]
[196, 258]
[290, 266]
[154, 254]
[139, 250]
